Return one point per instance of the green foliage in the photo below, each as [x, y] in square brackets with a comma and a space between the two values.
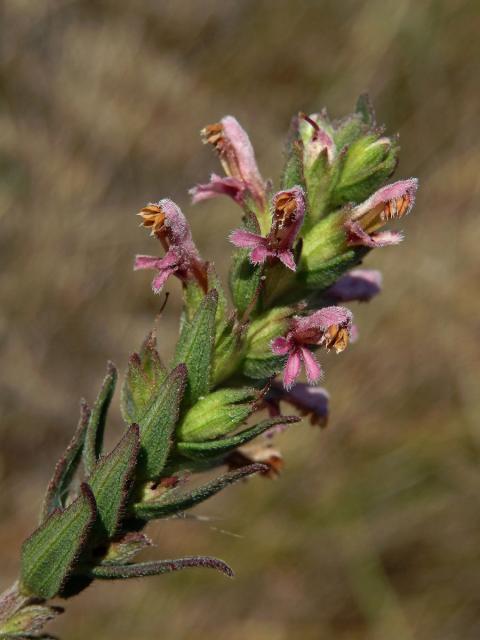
[156, 568]
[216, 415]
[195, 348]
[123, 549]
[259, 362]
[217, 448]
[57, 490]
[293, 171]
[28, 621]
[49, 554]
[245, 278]
[111, 480]
[144, 376]
[158, 423]
[98, 417]
[172, 503]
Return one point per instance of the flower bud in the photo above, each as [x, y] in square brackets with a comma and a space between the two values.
[259, 361]
[366, 164]
[217, 414]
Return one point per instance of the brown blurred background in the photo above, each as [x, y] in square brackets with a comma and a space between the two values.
[373, 530]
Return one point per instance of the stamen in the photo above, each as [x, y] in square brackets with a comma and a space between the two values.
[213, 134]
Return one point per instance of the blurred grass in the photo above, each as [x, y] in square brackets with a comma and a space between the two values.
[372, 531]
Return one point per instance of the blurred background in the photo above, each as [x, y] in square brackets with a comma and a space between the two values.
[373, 529]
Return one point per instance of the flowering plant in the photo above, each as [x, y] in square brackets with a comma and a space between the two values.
[294, 263]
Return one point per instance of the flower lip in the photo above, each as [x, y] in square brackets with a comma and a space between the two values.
[328, 327]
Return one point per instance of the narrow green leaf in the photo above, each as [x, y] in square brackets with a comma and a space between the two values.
[195, 348]
[161, 508]
[57, 490]
[364, 107]
[49, 554]
[98, 417]
[144, 376]
[158, 423]
[245, 278]
[218, 448]
[158, 567]
[110, 482]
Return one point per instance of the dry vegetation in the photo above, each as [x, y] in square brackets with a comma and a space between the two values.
[373, 530]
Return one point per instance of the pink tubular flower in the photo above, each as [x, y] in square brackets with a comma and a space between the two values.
[170, 226]
[288, 211]
[238, 160]
[318, 140]
[328, 327]
[391, 202]
[359, 284]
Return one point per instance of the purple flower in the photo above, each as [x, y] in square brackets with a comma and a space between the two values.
[328, 327]
[358, 284]
[170, 226]
[391, 202]
[309, 401]
[238, 160]
[288, 211]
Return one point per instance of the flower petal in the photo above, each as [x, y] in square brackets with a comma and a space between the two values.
[218, 186]
[312, 368]
[246, 239]
[292, 369]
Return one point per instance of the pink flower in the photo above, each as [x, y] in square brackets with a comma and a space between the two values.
[358, 284]
[391, 202]
[316, 140]
[170, 226]
[328, 327]
[238, 160]
[288, 211]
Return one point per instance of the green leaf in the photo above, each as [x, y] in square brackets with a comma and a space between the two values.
[245, 278]
[144, 376]
[172, 504]
[364, 108]
[158, 423]
[29, 620]
[329, 272]
[110, 482]
[219, 448]
[57, 490]
[293, 172]
[158, 567]
[49, 554]
[195, 348]
[262, 367]
[98, 417]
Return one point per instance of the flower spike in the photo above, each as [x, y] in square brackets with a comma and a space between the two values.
[288, 212]
[169, 225]
[329, 327]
